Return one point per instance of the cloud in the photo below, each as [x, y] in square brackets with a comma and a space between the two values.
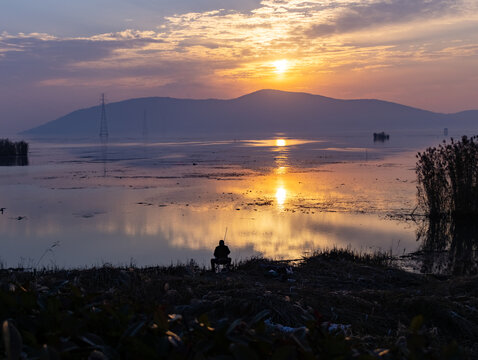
[366, 15]
[276, 28]
[224, 52]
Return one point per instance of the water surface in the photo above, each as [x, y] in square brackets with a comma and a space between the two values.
[159, 201]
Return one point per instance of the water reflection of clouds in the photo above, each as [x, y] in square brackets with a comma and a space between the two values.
[271, 234]
[199, 226]
[285, 208]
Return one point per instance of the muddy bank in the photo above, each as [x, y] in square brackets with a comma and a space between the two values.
[331, 305]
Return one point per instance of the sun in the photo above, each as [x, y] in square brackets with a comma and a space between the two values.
[280, 142]
[281, 66]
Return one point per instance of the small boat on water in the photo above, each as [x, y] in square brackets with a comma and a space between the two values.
[381, 136]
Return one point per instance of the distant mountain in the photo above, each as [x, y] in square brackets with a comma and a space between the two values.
[264, 111]
[467, 119]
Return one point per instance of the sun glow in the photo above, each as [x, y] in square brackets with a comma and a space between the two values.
[281, 170]
[281, 66]
[280, 142]
[281, 195]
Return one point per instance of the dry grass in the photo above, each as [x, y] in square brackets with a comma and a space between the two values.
[336, 286]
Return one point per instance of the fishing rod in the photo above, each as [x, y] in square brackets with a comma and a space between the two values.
[225, 234]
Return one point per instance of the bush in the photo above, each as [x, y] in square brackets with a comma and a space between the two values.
[10, 148]
[448, 195]
[448, 179]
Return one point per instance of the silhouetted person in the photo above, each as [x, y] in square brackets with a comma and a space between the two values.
[2, 210]
[220, 256]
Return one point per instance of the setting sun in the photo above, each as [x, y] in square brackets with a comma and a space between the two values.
[281, 66]
[257, 164]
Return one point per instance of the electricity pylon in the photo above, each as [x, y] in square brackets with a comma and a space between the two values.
[103, 123]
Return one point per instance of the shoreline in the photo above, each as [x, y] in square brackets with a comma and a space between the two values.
[358, 303]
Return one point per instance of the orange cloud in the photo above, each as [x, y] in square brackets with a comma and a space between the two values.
[339, 48]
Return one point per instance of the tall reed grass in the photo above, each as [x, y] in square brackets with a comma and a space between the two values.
[11, 148]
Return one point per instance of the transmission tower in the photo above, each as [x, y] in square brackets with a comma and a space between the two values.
[103, 123]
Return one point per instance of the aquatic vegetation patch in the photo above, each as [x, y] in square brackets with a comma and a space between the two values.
[11, 148]
[447, 177]
[13, 153]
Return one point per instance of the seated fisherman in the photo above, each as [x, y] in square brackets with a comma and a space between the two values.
[220, 254]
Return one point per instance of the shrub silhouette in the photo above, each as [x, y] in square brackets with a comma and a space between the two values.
[13, 153]
[448, 179]
[10, 148]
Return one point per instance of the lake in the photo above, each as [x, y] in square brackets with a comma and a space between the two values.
[168, 200]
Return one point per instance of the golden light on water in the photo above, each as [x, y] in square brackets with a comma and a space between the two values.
[281, 142]
[283, 212]
[281, 66]
[281, 195]
[281, 170]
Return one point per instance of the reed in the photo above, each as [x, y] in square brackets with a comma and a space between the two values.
[447, 178]
[448, 195]
[12, 148]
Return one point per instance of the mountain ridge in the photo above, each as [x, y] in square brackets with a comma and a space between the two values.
[265, 110]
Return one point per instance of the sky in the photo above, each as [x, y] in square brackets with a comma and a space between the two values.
[57, 56]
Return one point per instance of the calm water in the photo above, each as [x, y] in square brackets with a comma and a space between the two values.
[167, 200]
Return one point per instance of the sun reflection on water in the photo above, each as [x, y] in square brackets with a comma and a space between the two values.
[281, 195]
[281, 170]
[278, 210]
[281, 142]
[281, 161]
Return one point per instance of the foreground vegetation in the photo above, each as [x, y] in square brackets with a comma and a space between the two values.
[331, 305]
[11, 148]
[13, 153]
[447, 177]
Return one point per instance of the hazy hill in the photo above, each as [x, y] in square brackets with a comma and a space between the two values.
[264, 111]
[468, 119]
